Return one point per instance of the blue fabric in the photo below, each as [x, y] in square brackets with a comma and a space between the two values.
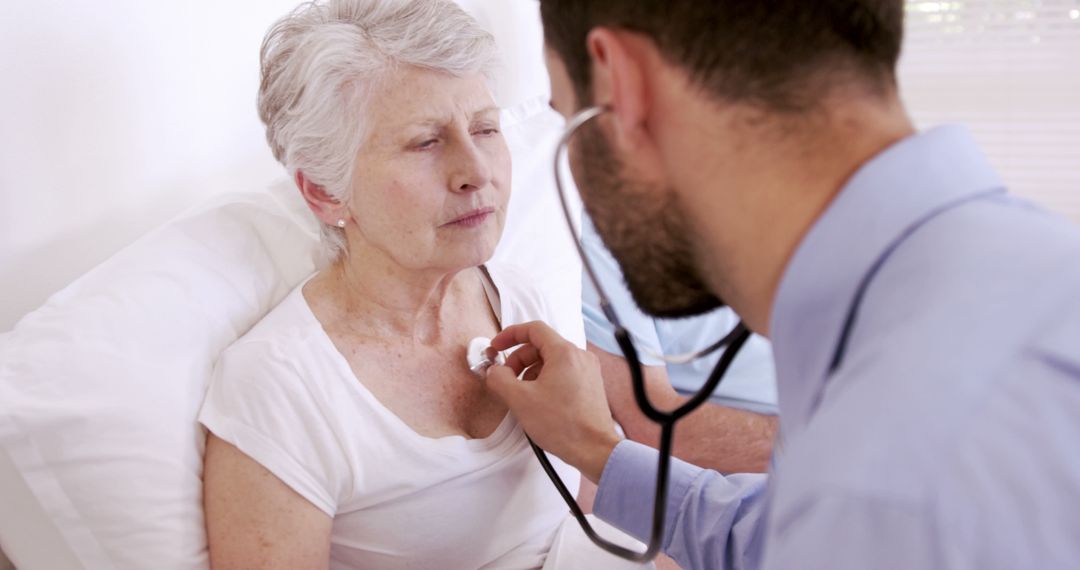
[948, 436]
[750, 383]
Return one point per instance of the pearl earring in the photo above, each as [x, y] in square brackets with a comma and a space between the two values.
[341, 223]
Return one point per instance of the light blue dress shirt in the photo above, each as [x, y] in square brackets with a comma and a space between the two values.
[949, 435]
[750, 382]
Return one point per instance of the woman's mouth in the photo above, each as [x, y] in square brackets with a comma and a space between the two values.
[471, 219]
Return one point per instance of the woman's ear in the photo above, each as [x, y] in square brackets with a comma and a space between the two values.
[327, 209]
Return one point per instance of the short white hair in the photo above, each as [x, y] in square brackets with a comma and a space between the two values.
[321, 62]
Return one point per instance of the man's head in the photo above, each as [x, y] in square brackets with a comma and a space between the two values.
[779, 59]
[769, 52]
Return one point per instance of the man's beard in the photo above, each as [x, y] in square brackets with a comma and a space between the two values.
[645, 231]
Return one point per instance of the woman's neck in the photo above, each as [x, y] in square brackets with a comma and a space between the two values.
[379, 298]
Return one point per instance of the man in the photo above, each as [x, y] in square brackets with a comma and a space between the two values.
[733, 433]
[925, 325]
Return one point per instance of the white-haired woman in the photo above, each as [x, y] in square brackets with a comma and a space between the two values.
[346, 428]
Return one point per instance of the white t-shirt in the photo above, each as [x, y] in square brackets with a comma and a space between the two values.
[287, 398]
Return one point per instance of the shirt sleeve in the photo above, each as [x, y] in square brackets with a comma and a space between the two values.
[712, 521]
[259, 403]
[598, 330]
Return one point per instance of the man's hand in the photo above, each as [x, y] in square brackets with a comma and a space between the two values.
[560, 402]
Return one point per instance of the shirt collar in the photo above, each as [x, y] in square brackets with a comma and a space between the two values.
[894, 191]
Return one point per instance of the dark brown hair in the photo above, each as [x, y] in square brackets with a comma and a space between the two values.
[782, 54]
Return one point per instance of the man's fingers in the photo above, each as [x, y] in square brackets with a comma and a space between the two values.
[535, 333]
[522, 358]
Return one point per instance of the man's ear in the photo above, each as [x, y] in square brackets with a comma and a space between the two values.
[618, 79]
[326, 208]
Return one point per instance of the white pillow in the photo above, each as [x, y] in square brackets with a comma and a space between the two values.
[24, 522]
[99, 388]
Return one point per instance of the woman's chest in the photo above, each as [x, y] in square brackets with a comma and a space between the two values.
[431, 391]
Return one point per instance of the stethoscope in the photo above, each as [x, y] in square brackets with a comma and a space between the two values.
[480, 357]
[733, 342]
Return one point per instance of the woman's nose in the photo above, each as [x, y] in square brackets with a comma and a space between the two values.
[471, 169]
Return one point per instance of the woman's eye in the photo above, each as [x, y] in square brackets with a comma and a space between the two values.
[486, 132]
[430, 143]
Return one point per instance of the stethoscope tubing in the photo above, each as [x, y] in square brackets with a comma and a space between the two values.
[733, 342]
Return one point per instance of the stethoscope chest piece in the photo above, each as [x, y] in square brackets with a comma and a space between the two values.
[481, 356]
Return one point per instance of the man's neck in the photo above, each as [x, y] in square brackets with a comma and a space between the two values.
[750, 209]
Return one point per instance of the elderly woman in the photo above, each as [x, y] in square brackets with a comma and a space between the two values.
[346, 428]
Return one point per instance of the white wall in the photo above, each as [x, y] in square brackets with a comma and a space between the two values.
[117, 115]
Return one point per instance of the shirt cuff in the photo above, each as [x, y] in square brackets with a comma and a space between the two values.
[627, 490]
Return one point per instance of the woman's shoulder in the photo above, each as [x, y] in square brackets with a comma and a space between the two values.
[279, 364]
[270, 398]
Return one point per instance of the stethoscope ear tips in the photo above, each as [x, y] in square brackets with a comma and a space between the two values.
[481, 356]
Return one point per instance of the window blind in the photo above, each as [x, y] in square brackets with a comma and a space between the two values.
[1009, 70]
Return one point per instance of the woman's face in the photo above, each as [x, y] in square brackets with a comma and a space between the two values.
[432, 177]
